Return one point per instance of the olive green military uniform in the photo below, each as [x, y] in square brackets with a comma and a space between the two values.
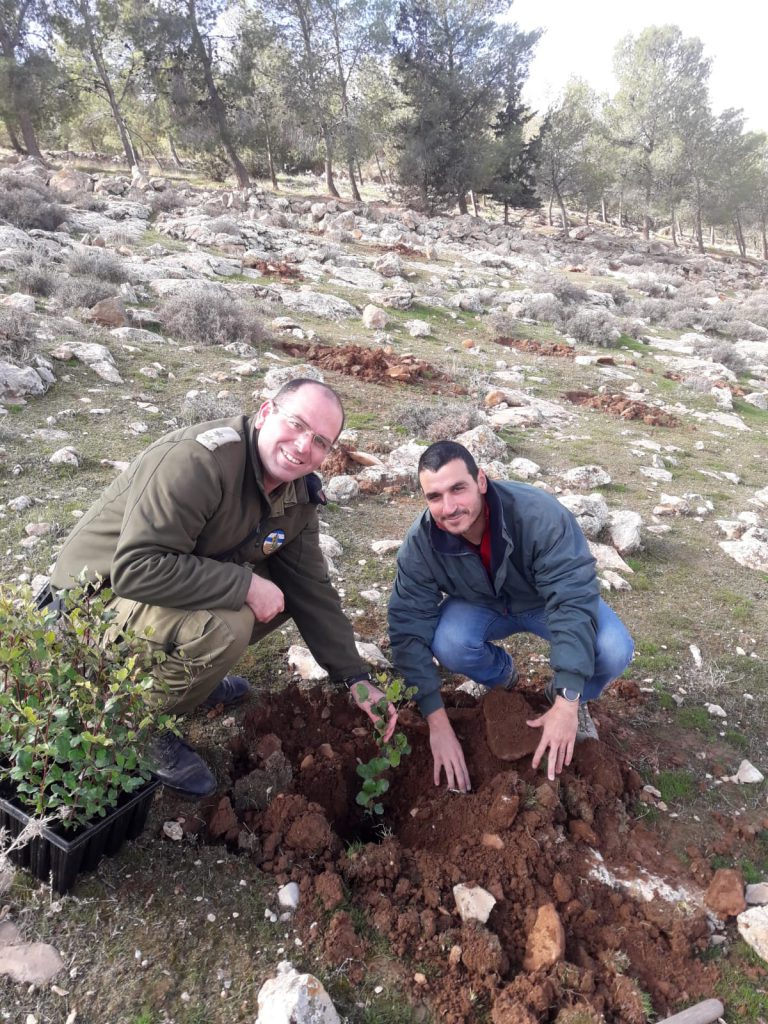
[179, 534]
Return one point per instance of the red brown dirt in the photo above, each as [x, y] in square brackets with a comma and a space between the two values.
[624, 408]
[539, 348]
[380, 365]
[524, 839]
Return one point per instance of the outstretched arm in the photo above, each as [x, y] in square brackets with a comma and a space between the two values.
[447, 753]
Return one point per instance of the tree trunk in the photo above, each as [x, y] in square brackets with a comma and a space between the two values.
[603, 211]
[328, 144]
[352, 182]
[12, 136]
[742, 245]
[506, 211]
[462, 203]
[381, 171]
[711, 235]
[174, 154]
[472, 196]
[673, 228]
[217, 104]
[270, 160]
[563, 211]
[586, 218]
[697, 228]
[764, 234]
[29, 136]
[359, 170]
[549, 209]
[646, 227]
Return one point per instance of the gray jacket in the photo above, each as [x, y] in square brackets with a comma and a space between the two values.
[539, 559]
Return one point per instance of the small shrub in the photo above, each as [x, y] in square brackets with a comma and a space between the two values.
[756, 309]
[619, 293]
[17, 333]
[723, 352]
[88, 201]
[593, 327]
[37, 279]
[544, 308]
[26, 208]
[562, 287]
[437, 422]
[653, 310]
[747, 330]
[99, 263]
[391, 753]
[502, 325]
[83, 292]
[224, 226]
[165, 201]
[200, 316]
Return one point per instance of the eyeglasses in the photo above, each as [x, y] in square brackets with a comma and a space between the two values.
[298, 426]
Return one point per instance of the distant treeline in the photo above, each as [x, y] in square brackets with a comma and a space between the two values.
[422, 95]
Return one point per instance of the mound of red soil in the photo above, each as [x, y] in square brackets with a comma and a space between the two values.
[560, 935]
[539, 348]
[623, 407]
[372, 364]
[273, 268]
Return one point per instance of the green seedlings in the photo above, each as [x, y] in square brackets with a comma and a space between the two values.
[390, 753]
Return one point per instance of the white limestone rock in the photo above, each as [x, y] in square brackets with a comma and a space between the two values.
[375, 319]
[327, 307]
[756, 894]
[20, 301]
[330, 546]
[525, 469]
[750, 550]
[278, 376]
[341, 489]
[473, 902]
[586, 477]
[288, 896]
[20, 380]
[607, 557]
[385, 547]
[482, 443]
[747, 774]
[753, 928]
[67, 456]
[418, 328]
[624, 527]
[304, 665]
[293, 998]
[590, 510]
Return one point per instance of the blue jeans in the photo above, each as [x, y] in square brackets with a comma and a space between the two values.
[462, 643]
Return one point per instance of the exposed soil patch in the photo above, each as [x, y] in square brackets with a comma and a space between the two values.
[528, 842]
[273, 268]
[539, 348]
[379, 365]
[624, 408]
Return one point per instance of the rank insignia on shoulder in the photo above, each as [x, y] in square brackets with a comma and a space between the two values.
[213, 439]
[273, 541]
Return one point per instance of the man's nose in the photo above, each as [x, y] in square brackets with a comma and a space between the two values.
[303, 441]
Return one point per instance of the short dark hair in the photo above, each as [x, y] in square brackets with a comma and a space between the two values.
[442, 452]
[299, 382]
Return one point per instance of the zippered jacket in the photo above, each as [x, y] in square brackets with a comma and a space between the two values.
[539, 559]
[189, 521]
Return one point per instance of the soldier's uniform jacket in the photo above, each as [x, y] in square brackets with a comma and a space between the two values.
[186, 524]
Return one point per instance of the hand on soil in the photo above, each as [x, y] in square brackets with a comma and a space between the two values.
[447, 752]
[374, 695]
[558, 736]
[264, 599]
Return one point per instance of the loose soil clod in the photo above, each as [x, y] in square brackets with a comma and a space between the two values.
[623, 407]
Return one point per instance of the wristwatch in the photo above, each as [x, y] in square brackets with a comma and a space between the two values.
[363, 677]
[572, 696]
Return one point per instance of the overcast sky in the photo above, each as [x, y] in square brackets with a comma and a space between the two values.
[581, 36]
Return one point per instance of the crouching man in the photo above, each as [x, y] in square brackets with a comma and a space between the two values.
[210, 540]
[486, 560]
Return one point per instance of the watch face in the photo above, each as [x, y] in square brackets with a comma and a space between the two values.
[570, 695]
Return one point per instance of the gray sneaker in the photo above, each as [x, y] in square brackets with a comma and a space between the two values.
[586, 728]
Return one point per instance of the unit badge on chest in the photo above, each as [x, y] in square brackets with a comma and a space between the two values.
[273, 541]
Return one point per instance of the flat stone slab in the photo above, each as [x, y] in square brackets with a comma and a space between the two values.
[506, 713]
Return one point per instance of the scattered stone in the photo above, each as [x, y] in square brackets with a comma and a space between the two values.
[288, 896]
[586, 477]
[607, 558]
[301, 662]
[716, 711]
[30, 963]
[750, 550]
[747, 774]
[385, 547]
[18, 300]
[473, 902]
[725, 893]
[108, 312]
[756, 894]
[546, 941]
[65, 457]
[375, 319]
[418, 328]
[293, 998]
[753, 928]
[341, 489]
[525, 469]
[624, 530]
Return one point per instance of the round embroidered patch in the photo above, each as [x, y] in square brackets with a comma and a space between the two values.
[273, 541]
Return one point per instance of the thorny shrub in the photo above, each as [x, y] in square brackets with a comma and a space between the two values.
[724, 353]
[593, 326]
[166, 201]
[17, 332]
[28, 204]
[105, 266]
[37, 278]
[83, 292]
[562, 287]
[390, 754]
[203, 406]
[76, 712]
[202, 316]
[434, 422]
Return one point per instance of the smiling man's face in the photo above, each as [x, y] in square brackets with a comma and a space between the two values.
[455, 500]
[291, 432]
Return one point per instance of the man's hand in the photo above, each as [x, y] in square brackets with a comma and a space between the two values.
[264, 599]
[365, 695]
[447, 752]
[558, 735]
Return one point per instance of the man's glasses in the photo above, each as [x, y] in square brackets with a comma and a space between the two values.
[298, 426]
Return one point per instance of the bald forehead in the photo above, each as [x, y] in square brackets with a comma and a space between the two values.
[315, 400]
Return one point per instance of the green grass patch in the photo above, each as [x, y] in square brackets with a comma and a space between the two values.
[696, 718]
[625, 341]
[745, 995]
[737, 740]
[650, 657]
[675, 786]
[360, 421]
[740, 607]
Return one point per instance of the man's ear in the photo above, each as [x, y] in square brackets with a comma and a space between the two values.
[264, 410]
[482, 481]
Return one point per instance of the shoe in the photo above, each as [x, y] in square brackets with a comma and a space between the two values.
[230, 690]
[511, 683]
[179, 767]
[586, 728]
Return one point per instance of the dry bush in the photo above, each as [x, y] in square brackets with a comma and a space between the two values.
[165, 201]
[723, 352]
[593, 326]
[561, 286]
[434, 423]
[653, 310]
[88, 201]
[17, 333]
[756, 309]
[543, 308]
[204, 406]
[199, 316]
[746, 329]
[37, 278]
[224, 226]
[105, 266]
[83, 292]
[501, 325]
[28, 204]
[651, 284]
[616, 290]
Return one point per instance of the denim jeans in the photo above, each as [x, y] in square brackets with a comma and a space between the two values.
[462, 643]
